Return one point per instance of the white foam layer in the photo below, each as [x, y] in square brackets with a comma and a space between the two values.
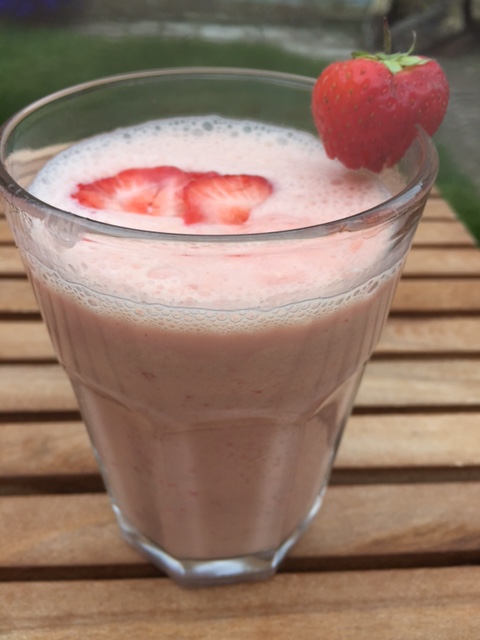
[152, 279]
[229, 312]
[308, 188]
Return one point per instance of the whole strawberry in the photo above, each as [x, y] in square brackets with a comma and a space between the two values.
[367, 109]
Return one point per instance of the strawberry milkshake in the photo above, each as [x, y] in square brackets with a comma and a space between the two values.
[213, 287]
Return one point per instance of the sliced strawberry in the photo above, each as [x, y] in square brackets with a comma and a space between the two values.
[154, 191]
[224, 199]
[169, 191]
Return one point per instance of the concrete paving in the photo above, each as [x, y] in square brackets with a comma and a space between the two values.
[460, 131]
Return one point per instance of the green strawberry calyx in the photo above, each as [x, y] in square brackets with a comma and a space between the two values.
[395, 62]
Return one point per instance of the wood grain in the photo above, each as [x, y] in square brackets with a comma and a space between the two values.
[442, 233]
[420, 335]
[427, 295]
[403, 383]
[420, 383]
[431, 233]
[438, 209]
[416, 427]
[37, 449]
[371, 522]
[439, 604]
[24, 340]
[421, 295]
[430, 261]
[16, 296]
[435, 262]
[10, 261]
[6, 236]
[35, 388]
[420, 440]
[28, 340]
[397, 441]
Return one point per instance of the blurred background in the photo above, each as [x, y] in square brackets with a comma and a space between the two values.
[46, 45]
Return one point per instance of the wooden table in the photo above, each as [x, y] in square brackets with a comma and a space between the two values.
[393, 553]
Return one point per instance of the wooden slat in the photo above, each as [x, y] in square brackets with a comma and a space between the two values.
[369, 525]
[420, 383]
[436, 262]
[430, 335]
[391, 520]
[61, 530]
[372, 523]
[421, 261]
[29, 340]
[24, 340]
[438, 227]
[438, 604]
[39, 449]
[16, 296]
[451, 440]
[6, 236]
[439, 209]
[10, 261]
[410, 441]
[369, 521]
[47, 385]
[423, 294]
[414, 383]
[433, 295]
[442, 233]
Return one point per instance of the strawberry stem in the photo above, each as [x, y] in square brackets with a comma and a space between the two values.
[414, 43]
[395, 62]
[387, 37]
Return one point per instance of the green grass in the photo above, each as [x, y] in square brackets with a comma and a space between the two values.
[35, 62]
[460, 191]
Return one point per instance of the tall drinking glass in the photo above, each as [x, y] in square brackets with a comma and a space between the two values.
[215, 417]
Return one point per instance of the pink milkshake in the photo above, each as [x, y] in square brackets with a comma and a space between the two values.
[215, 359]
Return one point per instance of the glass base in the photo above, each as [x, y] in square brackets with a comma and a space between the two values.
[203, 573]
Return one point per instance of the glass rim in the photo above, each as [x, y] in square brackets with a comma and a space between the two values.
[389, 209]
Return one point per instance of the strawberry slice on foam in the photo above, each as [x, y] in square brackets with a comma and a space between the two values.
[224, 199]
[168, 191]
[156, 191]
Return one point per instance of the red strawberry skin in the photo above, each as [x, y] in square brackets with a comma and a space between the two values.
[367, 115]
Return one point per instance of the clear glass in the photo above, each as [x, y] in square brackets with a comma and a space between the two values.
[215, 426]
